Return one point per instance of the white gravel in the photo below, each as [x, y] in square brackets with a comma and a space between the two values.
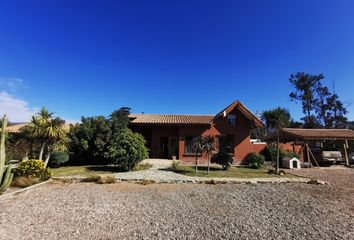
[160, 173]
[174, 211]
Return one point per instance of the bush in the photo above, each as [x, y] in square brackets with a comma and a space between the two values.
[33, 168]
[58, 158]
[290, 155]
[255, 160]
[174, 165]
[223, 159]
[127, 149]
[270, 154]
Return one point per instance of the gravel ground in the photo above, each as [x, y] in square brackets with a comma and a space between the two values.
[159, 173]
[175, 211]
[340, 179]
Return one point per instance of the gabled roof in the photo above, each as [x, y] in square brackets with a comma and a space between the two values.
[243, 109]
[171, 119]
[179, 119]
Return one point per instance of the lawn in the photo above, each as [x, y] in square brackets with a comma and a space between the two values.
[93, 169]
[218, 172]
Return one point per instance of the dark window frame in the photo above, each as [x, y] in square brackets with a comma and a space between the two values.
[226, 143]
[188, 145]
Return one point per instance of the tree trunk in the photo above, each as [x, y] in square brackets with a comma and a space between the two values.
[41, 152]
[208, 162]
[278, 155]
[47, 158]
[196, 162]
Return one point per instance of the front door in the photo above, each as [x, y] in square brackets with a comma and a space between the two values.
[164, 147]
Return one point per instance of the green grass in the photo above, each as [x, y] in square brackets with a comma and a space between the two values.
[93, 169]
[235, 172]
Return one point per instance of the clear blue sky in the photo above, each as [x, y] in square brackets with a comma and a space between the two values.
[91, 57]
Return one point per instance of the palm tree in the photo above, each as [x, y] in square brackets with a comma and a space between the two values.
[55, 136]
[37, 128]
[208, 146]
[48, 131]
[276, 119]
[197, 146]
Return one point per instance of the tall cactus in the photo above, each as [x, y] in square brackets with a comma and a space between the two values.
[6, 173]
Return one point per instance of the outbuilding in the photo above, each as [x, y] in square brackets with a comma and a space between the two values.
[291, 163]
[306, 140]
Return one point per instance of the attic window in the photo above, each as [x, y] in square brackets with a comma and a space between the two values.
[231, 119]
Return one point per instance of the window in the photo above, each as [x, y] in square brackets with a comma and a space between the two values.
[226, 144]
[188, 145]
[231, 119]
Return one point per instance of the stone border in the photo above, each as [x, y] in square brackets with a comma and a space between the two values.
[226, 181]
[297, 179]
[24, 189]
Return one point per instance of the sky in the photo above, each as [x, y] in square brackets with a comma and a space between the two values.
[86, 58]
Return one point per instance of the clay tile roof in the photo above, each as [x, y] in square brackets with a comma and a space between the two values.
[171, 119]
[313, 134]
[15, 128]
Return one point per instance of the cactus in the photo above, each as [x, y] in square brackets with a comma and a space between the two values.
[6, 173]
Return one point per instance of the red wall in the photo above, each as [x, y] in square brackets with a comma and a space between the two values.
[241, 132]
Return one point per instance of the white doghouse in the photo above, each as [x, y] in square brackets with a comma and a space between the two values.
[291, 163]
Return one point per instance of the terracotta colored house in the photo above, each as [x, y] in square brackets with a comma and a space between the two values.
[172, 135]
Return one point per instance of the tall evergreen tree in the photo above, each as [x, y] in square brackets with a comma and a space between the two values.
[322, 108]
[305, 92]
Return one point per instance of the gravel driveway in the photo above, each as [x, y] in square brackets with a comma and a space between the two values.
[174, 211]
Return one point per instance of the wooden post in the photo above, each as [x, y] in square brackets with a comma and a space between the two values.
[307, 152]
[346, 152]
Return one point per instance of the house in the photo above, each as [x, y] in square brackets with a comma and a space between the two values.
[170, 135]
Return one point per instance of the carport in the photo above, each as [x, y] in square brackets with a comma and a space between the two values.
[304, 137]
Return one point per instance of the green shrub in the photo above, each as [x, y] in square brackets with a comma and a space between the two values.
[33, 168]
[174, 165]
[270, 154]
[290, 155]
[255, 160]
[58, 158]
[223, 159]
[127, 149]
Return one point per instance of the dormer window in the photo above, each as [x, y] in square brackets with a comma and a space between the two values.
[231, 119]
